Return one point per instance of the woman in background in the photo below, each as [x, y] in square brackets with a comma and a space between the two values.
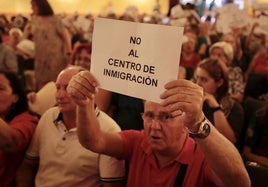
[219, 107]
[17, 126]
[82, 55]
[52, 41]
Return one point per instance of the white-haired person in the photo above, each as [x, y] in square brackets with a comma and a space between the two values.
[8, 59]
[224, 52]
[25, 56]
[14, 37]
[163, 154]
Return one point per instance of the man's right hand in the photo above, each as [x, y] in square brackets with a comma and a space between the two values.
[82, 88]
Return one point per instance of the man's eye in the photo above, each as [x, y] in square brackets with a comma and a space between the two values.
[164, 117]
[149, 115]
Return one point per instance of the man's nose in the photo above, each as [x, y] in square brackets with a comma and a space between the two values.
[155, 123]
[61, 93]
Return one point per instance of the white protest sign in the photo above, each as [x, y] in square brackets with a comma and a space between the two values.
[230, 7]
[135, 59]
[239, 18]
[231, 17]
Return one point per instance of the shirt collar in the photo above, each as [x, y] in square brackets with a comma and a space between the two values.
[58, 118]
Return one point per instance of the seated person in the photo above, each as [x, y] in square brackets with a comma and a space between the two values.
[256, 143]
[17, 126]
[55, 157]
[25, 56]
[8, 59]
[220, 108]
[258, 64]
[223, 51]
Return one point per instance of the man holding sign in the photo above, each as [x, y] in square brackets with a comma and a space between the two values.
[163, 154]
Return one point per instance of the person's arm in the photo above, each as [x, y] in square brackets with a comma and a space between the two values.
[27, 172]
[248, 155]
[251, 66]
[220, 121]
[103, 100]
[224, 159]
[202, 50]
[222, 156]
[250, 36]
[16, 135]
[82, 89]
[223, 126]
[8, 137]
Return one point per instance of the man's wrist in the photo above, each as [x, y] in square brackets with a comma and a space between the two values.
[201, 130]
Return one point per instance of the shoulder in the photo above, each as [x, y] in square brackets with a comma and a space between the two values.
[24, 118]
[50, 115]
[25, 124]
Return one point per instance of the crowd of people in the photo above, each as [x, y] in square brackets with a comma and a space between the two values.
[210, 134]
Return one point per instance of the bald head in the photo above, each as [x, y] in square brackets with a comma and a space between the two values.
[68, 72]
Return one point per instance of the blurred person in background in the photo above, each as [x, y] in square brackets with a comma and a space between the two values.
[52, 43]
[224, 52]
[17, 127]
[8, 59]
[15, 36]
[220, 108]
[55, 157]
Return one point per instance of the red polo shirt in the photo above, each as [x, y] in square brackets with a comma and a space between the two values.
[143, 169]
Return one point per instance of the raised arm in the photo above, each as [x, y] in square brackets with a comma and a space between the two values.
[220, 120]
[83, 88]
[222, 156]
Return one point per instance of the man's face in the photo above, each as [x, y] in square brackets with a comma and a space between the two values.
[163, 132]
[64, 102]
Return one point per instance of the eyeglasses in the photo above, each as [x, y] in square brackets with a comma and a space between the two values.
[148, 117]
